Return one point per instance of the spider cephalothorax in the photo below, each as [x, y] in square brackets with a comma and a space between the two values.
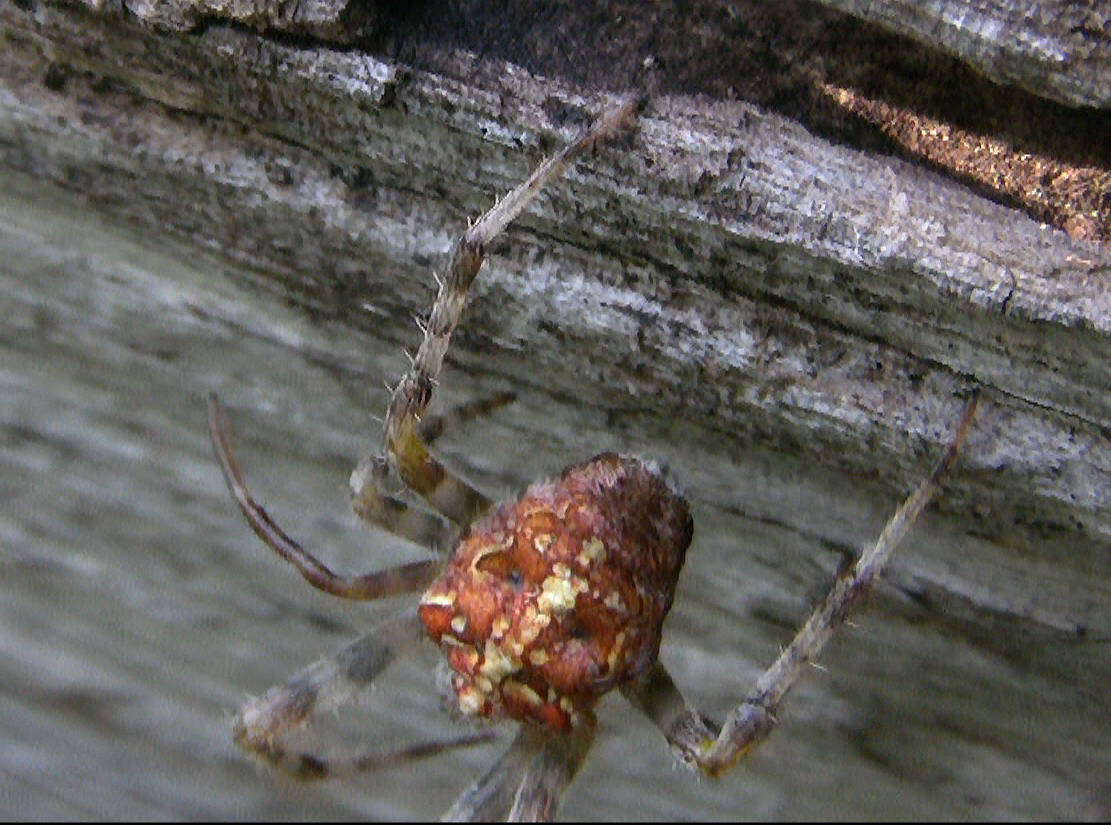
[550, 601]
[546, 602]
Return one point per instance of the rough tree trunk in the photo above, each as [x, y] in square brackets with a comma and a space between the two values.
[253, 203]
[1059, 49]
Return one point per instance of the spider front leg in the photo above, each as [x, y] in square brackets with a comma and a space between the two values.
[697, 741]
[390, 513]
[433, 426]
[406, 578]
[383, 510]
[326, 684]
[405, 442]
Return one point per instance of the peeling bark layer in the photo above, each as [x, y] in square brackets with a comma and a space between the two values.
[1053, 48]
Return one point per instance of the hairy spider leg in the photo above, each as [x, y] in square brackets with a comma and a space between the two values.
[405, 447]
[327, 684]
[715, 751]
[406, 578]
[390, 513]
[528, 781]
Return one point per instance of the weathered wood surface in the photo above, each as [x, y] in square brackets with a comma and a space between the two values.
[785, 321]
[1054, 48]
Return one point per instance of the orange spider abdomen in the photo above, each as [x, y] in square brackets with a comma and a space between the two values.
[550, 601]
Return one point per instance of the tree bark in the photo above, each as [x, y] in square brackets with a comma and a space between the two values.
[1053, 48]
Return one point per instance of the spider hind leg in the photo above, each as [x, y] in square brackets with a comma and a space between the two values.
[715, 751]
[528, 781]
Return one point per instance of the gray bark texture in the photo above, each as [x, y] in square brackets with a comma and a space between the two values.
[1059, 49]
[249, 198]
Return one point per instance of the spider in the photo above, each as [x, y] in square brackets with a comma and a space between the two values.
[544, 603]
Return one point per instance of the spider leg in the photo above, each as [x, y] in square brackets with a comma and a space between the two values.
[490, 798]
[383, 510]
[655, 694]
[550, 774]
[406, 448]
[696, 740]
[326, 684]
[528, 781]
[433, 426]
[390, 513]
[406, 578]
